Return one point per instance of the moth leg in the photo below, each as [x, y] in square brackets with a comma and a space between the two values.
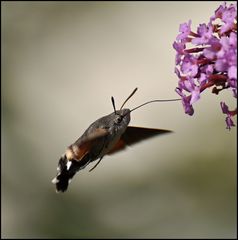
[96, 164]
[104, 142]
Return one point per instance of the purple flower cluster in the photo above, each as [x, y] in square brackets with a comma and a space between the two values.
[208, 58]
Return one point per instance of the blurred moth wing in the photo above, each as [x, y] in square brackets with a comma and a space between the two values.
[84, 144]
[135, 135]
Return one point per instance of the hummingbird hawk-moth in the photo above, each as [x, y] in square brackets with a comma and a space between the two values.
[105, 136]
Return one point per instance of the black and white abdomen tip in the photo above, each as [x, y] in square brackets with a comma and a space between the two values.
[64, 175]
[66, 170]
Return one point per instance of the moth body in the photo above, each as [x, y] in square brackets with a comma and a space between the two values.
[98, 140]
[105, 136]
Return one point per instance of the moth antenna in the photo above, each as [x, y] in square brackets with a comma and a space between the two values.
[113, 104]
[129, 97]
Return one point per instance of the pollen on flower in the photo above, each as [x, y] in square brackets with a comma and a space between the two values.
[208, 58]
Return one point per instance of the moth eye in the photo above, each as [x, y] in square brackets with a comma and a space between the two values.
[118, 119]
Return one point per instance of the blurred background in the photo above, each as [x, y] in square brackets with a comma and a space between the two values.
[61, 63]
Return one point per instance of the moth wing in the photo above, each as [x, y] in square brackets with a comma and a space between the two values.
[85, 143]
[98, 133]
[119, 146]
[133, 135]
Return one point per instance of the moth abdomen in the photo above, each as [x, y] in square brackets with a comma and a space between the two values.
[66, 171]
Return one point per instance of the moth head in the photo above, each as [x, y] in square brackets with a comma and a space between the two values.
[122, 116]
